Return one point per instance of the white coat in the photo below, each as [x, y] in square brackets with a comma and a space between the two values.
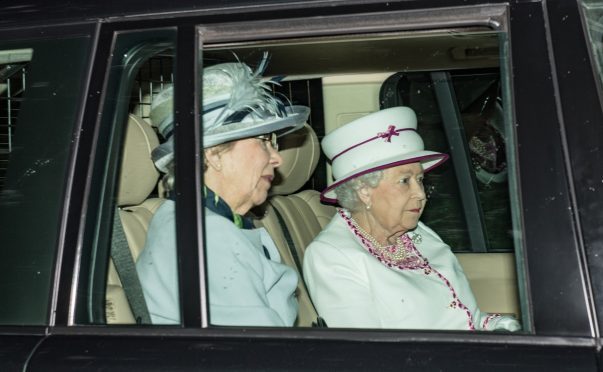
[351, 288]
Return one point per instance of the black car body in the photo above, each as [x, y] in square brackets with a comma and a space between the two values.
[59, 173]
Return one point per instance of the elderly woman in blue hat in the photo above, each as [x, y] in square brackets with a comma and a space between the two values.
[375, 265]
[248, 285]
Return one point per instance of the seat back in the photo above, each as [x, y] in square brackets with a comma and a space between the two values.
[294, 219]
[137, 179]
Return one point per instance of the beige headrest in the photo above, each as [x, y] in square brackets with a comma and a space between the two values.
[300, 151]
[138, 176]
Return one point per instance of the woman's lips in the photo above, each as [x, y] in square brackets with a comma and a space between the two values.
[416, 210]
[268, 178]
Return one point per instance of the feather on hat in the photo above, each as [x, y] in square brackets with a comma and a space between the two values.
[237, 104]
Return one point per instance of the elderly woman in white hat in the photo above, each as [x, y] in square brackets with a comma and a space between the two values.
[248, 285]
[376, 265]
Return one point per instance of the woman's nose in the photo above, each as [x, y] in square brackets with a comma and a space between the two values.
[275, 157]
[419, 190]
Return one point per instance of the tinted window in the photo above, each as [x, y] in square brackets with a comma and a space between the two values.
[40, 91]
[14, 66]
[473, 186]
[126, 187]
[458, 87]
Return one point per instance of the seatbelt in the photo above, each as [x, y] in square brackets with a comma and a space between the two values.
[289, 239]
[320, 322]
[124, 264]
[389, 93]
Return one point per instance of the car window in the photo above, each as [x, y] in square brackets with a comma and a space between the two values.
[476, 178]
[458, 87]
[37, 86]
[143, 192]
[127, 188]
[14, 66]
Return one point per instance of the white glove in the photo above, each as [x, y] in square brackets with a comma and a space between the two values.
[497, 322]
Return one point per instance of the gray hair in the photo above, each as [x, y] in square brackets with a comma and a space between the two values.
[347, 194]
[167, 181]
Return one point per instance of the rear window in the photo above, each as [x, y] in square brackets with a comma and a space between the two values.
[13, 77]
[40, 95]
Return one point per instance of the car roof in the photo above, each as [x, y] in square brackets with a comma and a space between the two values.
[35, 12]
[61, 11]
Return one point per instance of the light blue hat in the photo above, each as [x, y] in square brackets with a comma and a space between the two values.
[237, 104]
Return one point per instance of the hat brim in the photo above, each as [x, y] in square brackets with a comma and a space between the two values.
[429, 160]
[295, 119]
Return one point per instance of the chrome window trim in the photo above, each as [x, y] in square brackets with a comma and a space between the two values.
[492, 16]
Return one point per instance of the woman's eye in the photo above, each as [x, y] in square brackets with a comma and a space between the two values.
[404, 181]
[420, 179]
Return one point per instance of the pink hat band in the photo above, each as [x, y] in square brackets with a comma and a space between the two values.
[387, 135]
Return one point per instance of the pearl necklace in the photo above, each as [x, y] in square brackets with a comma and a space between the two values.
[402, 255]
[393, 252]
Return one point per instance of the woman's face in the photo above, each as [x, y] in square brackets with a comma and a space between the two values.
[396, 204]
[246, 174]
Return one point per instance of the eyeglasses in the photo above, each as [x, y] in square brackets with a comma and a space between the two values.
[271, 138]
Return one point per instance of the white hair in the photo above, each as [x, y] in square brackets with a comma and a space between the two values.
[347, 194]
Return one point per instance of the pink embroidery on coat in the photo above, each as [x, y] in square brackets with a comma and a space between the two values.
[488, 319]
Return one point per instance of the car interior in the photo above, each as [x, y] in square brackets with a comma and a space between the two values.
[355, 77]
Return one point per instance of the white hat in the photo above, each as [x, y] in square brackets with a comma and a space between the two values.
[380, 140]
[237, 104]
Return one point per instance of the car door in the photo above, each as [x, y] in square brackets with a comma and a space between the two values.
[41, 93]
[82, 326]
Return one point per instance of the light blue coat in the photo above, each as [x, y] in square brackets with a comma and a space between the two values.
[245, 287]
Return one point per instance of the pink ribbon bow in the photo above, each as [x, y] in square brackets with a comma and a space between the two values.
[391, 131]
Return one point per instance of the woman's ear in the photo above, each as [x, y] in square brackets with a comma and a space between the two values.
[213, 159]
[364, 194]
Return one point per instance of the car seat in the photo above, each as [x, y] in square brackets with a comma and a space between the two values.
[294, 219]
[137, 179]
